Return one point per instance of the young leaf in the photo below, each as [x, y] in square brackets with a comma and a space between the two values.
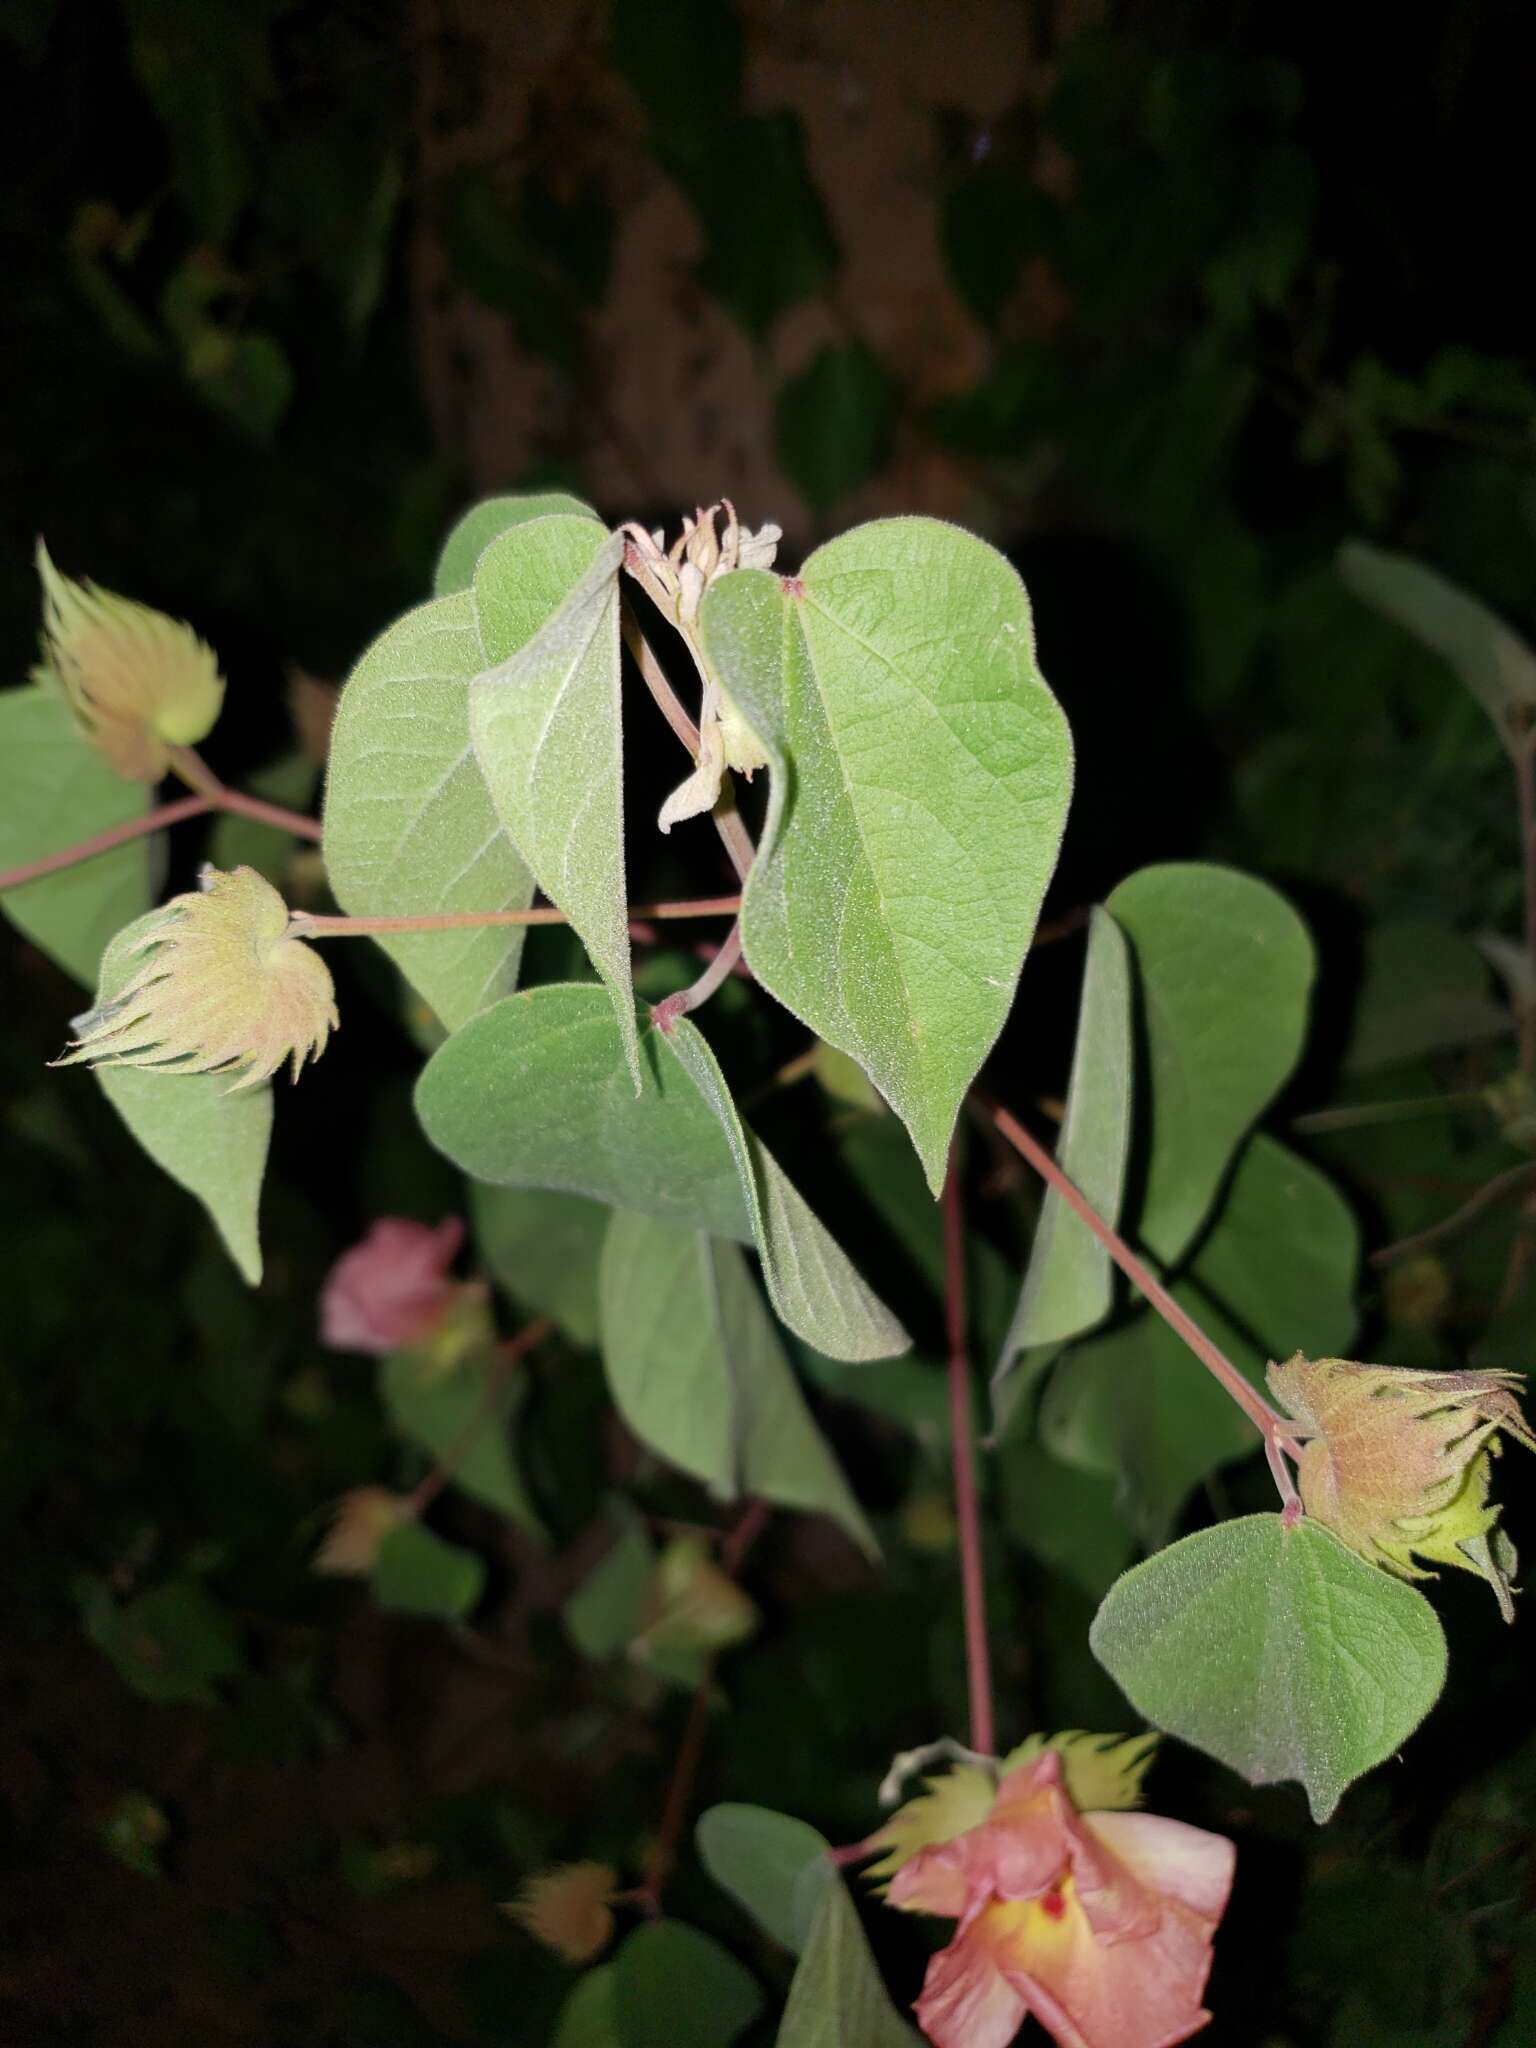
[465, 1417]
[1225, 970]
[418, 1573]
[837, 1999]
[608, 1609]
[1494, 663]
[920, 776]
[677, 1988]
[696, 1369]
[777, 1867]
[409, 827]
[1276, 1274]
[587, 2018]
[1068, 1283]
[543, 1248]
[1277, 1651]
[55, 790]
[472, 534]
[535, 1093]
[545, 720]
[208, 1138]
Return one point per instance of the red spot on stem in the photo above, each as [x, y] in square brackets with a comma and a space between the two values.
[792, 586]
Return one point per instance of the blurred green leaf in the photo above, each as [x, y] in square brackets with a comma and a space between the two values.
[1422, 990]
[1067, 1517]
[833, 423]
[768, 240]
[1494, 663]
[989, 225]
[677, 1988]
[608, 1609]
[203, 65]
[55, 790]
[1277, 1651]
[589, 2017]
[173, 1642]
[416, 1572]
[238, 842]
[777, 1867]
[466, 1417]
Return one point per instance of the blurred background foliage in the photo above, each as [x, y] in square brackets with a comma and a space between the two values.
[1167, 300]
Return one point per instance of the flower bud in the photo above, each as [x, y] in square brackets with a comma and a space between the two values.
[224, 988]
[364, 1517]
[137, 682]
[393, 1290]
[569, 1909]
[1398, 1464]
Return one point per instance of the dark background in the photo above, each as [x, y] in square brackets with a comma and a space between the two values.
[1167, 301]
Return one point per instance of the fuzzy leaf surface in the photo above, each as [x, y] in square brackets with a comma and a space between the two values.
[472, 533]
[1279, 1652]
[920, 776]
[838, 1998]
[210, 1140]
[536, 1093]
[1069, 1283]
[1277, 1274]
[410, 830]
[544, 715]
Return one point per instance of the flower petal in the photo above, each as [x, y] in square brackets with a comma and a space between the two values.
[1169, 1857]
[966, 2001]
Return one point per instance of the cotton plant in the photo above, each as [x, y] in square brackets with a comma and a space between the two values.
[911, 773]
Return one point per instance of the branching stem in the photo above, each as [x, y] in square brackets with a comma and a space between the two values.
[1277, 1430]
[666, 1013]
[195, 772]
[978, 1662]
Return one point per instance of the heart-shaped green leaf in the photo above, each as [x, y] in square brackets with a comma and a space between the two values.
[535, 1092]
[920, 776]
[416, 1572]
[696, 1369]
[1279, 1652]
[543, 1248]
[410, 830]
[545, 719]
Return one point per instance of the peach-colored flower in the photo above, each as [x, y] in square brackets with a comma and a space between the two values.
[1099, 1923]
[393, 1290]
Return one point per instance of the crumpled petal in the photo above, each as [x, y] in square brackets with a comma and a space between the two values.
[393, 1289]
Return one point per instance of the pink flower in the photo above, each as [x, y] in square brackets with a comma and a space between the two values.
[1099, 1924]
[393, 1289]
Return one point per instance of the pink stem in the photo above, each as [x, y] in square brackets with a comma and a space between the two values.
[1276, 1429]
[308, 925]
[666, 1013]
[978, 1664]
[103, 842]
